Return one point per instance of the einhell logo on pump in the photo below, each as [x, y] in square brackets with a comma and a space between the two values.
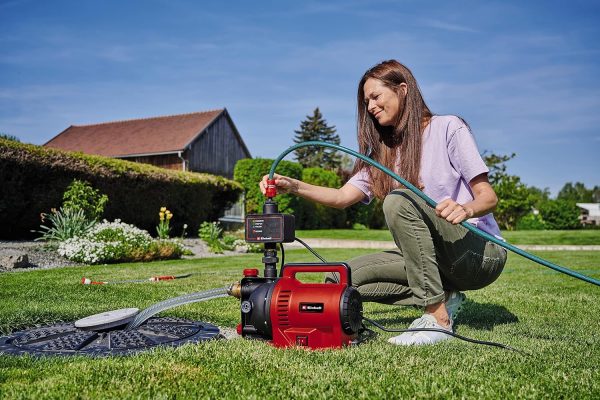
[312, 307]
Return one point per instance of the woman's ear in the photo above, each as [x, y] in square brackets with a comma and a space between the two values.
[403, 88]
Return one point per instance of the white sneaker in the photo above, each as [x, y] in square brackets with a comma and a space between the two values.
[422, 338]
[454, 304]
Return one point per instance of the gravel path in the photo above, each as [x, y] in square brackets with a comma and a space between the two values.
[41, 257]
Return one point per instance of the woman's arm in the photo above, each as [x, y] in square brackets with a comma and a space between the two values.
[337, 198]
[484, 202]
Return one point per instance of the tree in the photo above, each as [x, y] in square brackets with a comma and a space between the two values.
[576, 193]
[9, 137]
[315, 128]
[515, 199]
[497, 165]
[596, 194]
[538, 195]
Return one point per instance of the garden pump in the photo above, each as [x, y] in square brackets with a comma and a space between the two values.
[288, 312]
[285, 311]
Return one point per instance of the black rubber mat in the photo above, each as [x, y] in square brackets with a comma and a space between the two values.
[65, 339]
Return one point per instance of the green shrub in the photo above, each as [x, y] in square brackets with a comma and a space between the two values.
[217, 242]
[230, 241]
[359, 227]
[80, 195]
[64, 224]
[318, 216]
[211, 233]
[560, 214]
[370, 215]
[34, 178]
[531, 222]
[249, 172]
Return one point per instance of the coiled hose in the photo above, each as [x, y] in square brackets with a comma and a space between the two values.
[431, 202]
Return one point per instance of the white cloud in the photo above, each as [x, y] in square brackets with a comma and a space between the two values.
[446, 26]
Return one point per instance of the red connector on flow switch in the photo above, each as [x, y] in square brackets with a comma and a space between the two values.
[271, 188]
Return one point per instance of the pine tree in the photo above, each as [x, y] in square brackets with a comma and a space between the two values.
[315, 128]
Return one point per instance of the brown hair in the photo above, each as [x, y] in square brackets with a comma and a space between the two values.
[388, 144]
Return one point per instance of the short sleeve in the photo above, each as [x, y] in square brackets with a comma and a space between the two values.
[464, 154]
[362, 181]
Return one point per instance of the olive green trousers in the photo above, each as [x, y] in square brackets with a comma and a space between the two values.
[432, 256]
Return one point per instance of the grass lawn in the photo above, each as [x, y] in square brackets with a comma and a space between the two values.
[576, 237]
[551, 316]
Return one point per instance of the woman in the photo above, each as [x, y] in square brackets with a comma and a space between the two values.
[436, 257]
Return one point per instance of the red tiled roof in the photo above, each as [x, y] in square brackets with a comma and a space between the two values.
[139, 136]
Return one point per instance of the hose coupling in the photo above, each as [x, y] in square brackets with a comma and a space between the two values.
[235, 290]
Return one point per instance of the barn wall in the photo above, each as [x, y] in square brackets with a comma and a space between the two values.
[216, 150]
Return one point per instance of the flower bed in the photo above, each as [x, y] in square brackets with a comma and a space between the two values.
[112, 242]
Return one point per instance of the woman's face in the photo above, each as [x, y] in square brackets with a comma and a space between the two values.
[382, 102]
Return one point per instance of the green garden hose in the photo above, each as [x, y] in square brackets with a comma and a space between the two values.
[431, 202]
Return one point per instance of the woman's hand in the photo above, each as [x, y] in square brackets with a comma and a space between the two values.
[331, 197]
[453, 212]
[282, 183]
[484, 202]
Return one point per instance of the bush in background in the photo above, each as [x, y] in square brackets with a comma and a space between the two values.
[560, 214]
[250, 171]
[34, 178]
[531, 222]
[211, 233]
[318, 216]
[369, 215]
[217, 242]
[80, 195]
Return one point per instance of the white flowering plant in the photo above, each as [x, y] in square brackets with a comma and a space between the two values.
[110, 242]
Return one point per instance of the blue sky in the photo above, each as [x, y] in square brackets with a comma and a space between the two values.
[525, 75]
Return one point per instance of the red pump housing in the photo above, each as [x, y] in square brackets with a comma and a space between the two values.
[314, 315]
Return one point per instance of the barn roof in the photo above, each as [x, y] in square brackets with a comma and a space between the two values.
[147, 136]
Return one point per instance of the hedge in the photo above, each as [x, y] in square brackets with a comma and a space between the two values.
[318, 216]
[33, 179]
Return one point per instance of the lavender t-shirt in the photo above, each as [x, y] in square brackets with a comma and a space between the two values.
[449, 161]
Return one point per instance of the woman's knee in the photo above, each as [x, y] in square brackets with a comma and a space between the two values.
[398, 202]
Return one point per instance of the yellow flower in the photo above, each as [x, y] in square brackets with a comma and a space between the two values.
[161, 215]
[163, 209]
[169, 215]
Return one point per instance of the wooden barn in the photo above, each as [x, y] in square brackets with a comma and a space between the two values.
[200, 142]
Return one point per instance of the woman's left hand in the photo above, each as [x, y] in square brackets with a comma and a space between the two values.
[453, 212]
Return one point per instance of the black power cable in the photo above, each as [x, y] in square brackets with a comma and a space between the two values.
[310, 249]
[456, 335]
